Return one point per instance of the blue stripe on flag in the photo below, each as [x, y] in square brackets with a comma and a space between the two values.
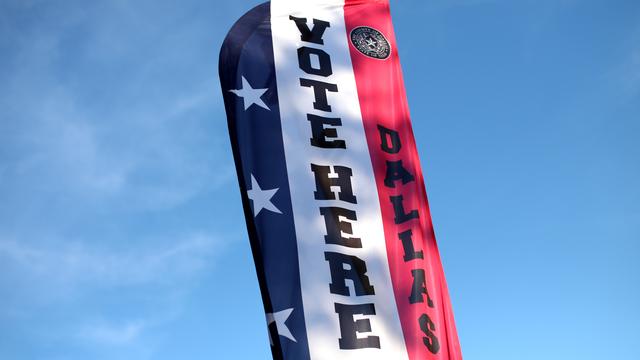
[248, 80]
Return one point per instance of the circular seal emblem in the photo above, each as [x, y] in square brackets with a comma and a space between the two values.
[370, 42]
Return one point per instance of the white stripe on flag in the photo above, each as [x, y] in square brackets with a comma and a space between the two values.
[295, 103]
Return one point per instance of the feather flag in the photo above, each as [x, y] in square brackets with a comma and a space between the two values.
[331, 184]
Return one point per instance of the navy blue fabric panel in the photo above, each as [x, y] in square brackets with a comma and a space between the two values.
[258, 150]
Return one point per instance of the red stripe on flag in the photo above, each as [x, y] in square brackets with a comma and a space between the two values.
[429, 331]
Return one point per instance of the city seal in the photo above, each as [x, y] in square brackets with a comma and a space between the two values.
[370, 42]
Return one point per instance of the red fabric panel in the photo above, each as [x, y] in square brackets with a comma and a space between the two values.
[383, 102]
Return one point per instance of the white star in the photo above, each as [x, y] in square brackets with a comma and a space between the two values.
[261, 198]
[250, 96]
[280, 318]
[370, 42]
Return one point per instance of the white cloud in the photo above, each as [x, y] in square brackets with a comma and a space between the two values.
[113, 334]
[625, 75]
[634, 70]
[75, 266]
[108, 139]
[93, 156]
[151, 281]
[62, 142]
[112, 298]
[114, 122]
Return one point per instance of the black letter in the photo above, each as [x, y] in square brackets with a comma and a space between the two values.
[395, 171]
[335, 226]
[324, 61]
[349, 328]
[319, 133]
[315, 35]
[324, 183]
[400, 215]
[419, 287]
[320, 89]
[428, 327]
[395, 146]
[410, 252]
[356, 272]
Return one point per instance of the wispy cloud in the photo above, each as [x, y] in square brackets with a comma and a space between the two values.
[111, 162]
[110, 119]
[91, 155]
[113, 334]
[71, 266]
[624, 76]
[151, 281]
[633, 68]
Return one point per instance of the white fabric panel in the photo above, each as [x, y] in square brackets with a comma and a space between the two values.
[296, 102]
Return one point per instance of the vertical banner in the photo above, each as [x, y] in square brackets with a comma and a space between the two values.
[331, 184]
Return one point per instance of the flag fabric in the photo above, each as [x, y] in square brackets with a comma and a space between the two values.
[332, 189]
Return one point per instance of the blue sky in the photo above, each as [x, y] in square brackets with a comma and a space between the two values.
[121, 229]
